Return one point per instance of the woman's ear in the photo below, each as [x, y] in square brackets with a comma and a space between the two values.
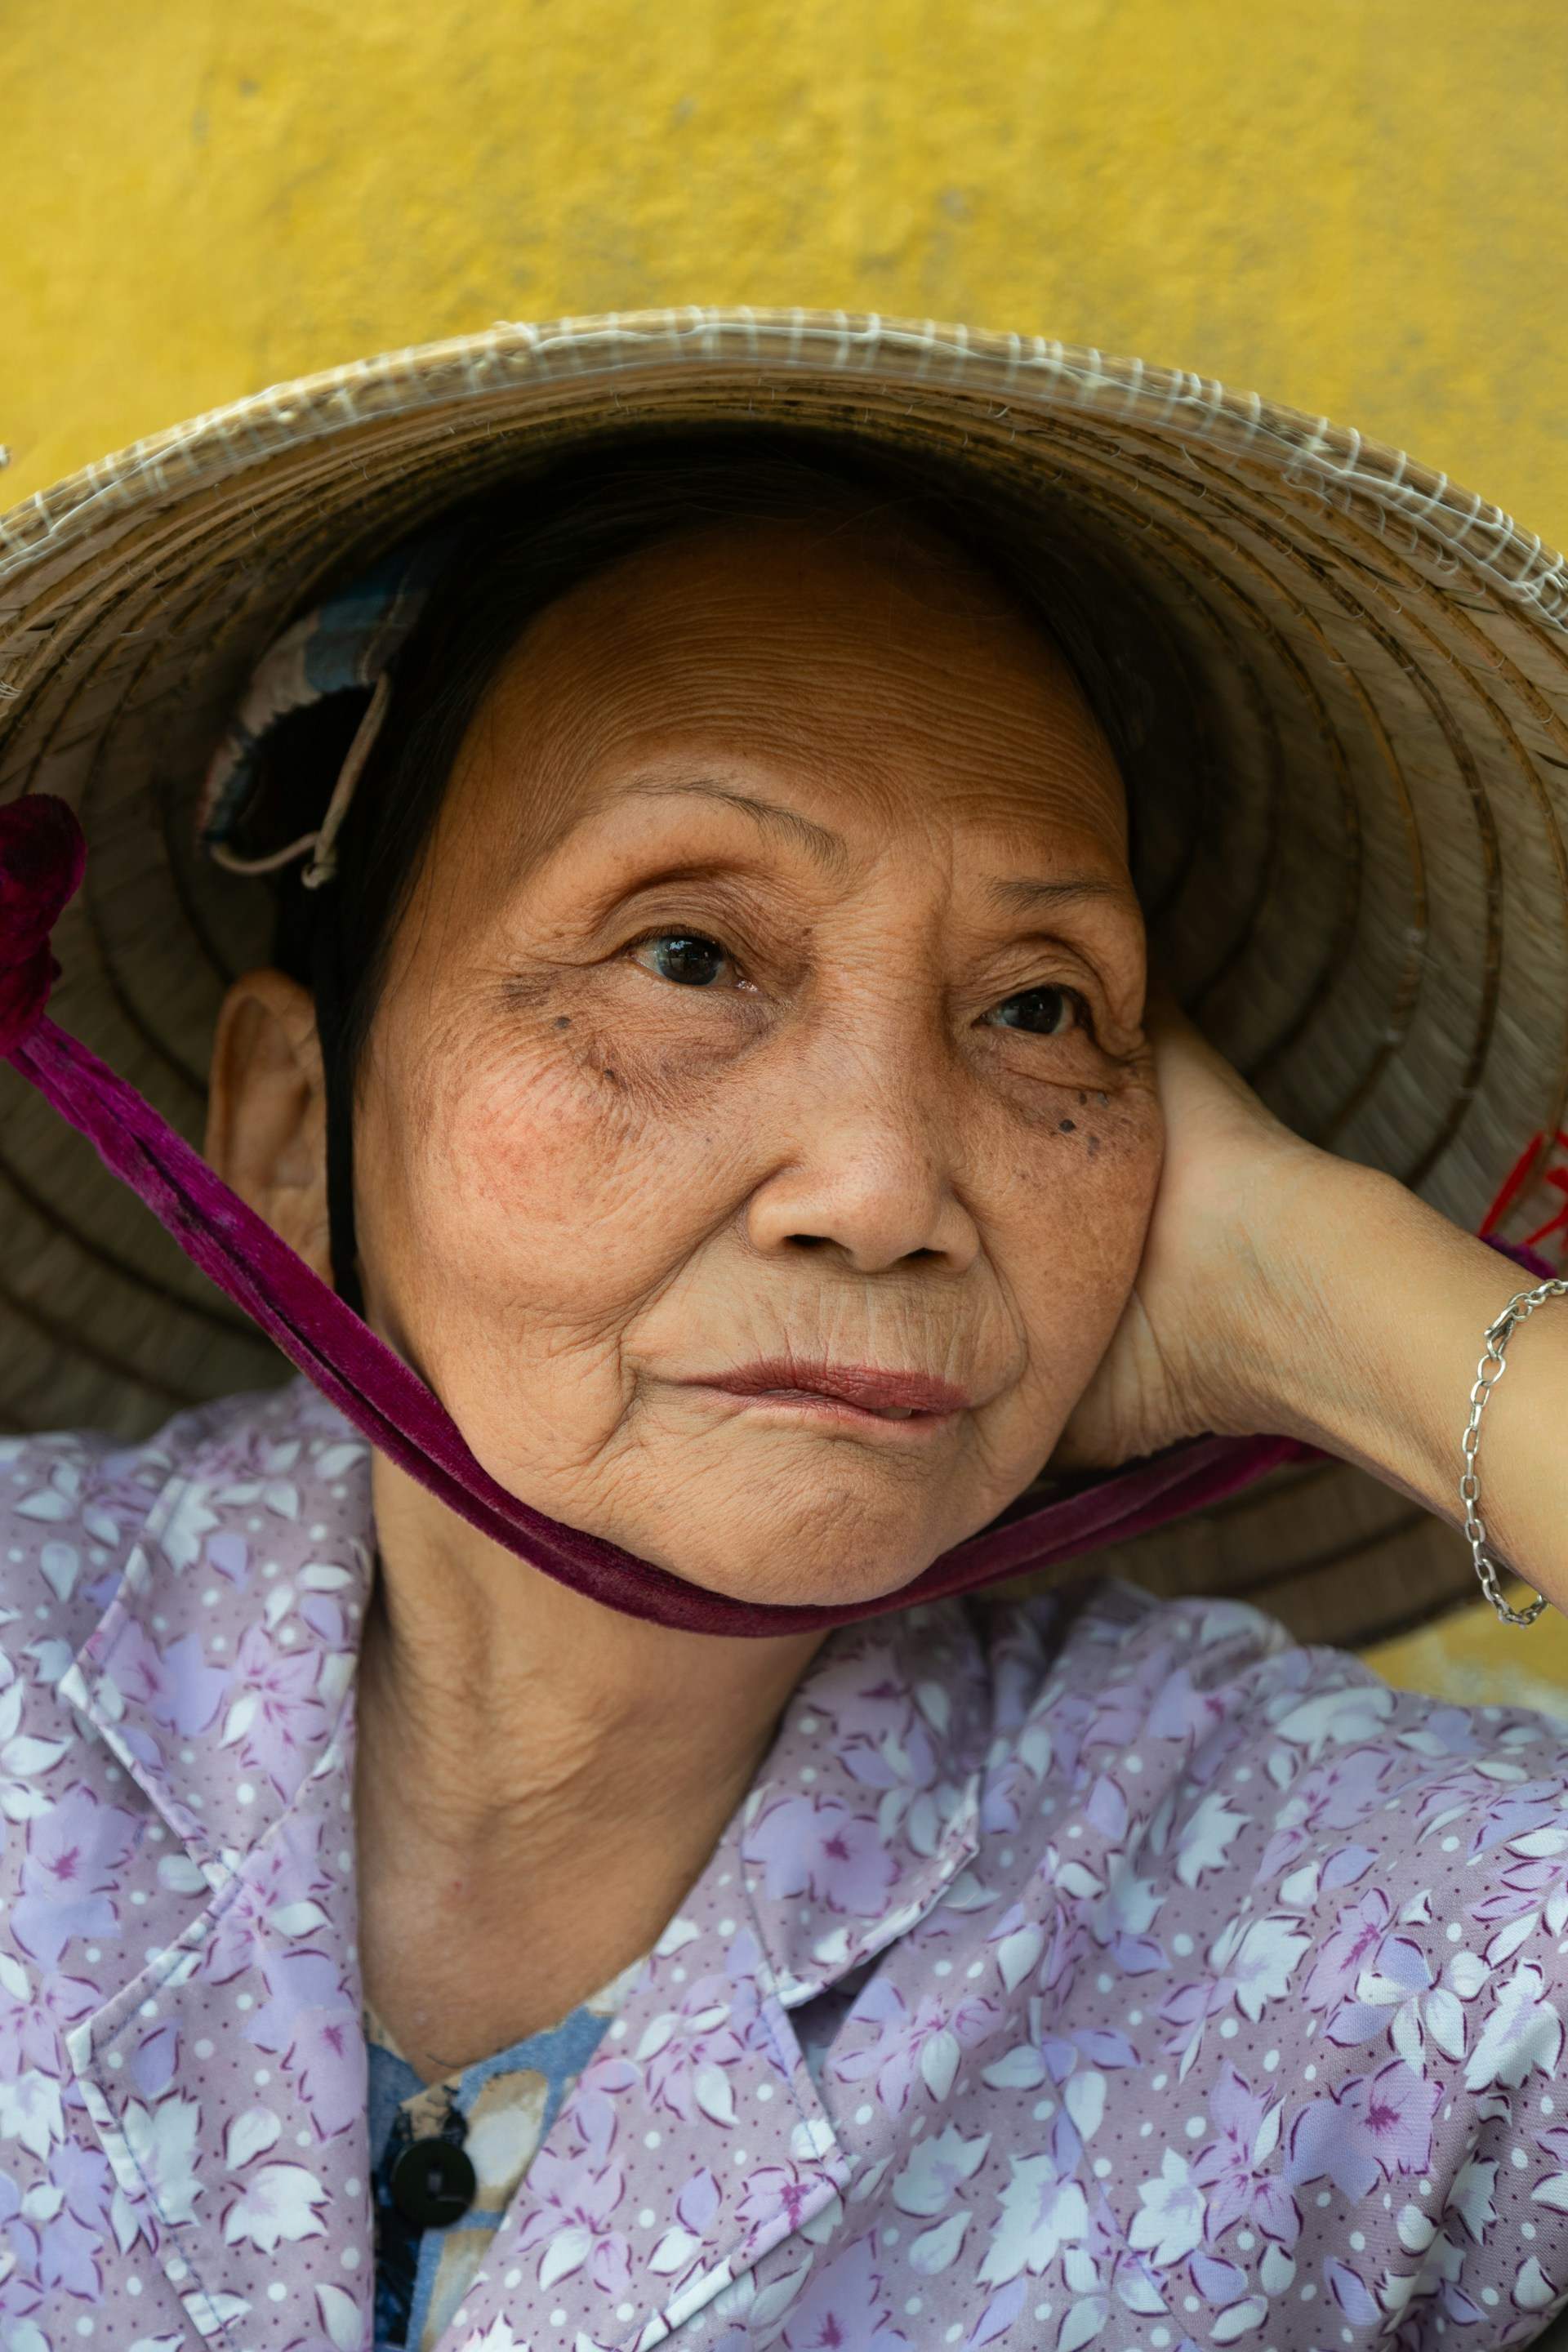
[267, 1117]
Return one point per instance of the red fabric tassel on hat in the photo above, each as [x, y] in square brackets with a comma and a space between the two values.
[1514, 1184]
[42, 859]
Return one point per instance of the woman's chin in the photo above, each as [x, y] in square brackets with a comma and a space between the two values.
[806, 1528]
[840, 1552]
[841, 1583]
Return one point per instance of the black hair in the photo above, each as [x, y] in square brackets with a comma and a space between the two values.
[516, 551]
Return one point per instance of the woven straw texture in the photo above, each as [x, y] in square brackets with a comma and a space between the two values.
[1355, 863]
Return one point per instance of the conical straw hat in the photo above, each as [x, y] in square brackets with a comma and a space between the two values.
[1355, 865]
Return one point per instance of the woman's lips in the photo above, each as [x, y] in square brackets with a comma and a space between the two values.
[856, 1390]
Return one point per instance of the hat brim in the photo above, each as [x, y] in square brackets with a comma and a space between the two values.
[1365, 900]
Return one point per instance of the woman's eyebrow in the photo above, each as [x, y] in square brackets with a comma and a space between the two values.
[825, 845]
[1023, 891]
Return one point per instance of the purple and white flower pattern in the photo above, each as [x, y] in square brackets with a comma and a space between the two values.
[1112, 1976]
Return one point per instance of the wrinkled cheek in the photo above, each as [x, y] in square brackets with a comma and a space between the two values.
[1078, 1245]
[548, 1205]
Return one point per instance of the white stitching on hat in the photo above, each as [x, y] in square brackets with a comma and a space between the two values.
[1517, 567]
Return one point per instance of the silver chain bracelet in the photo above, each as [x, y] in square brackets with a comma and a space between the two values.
[1489, 1371]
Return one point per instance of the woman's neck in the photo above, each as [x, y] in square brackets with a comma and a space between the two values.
[538, 1780]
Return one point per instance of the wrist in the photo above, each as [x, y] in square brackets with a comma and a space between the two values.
[1375, 1309]
[1292, 1358]
[1370, 1316]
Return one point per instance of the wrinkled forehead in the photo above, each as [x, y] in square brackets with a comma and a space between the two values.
[877, 674]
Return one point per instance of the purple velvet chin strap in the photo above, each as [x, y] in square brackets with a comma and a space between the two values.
[42, 857]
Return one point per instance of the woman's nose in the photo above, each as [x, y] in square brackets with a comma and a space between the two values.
[871, 1177]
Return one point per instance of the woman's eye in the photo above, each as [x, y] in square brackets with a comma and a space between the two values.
[1043, 1011]
[684, 957]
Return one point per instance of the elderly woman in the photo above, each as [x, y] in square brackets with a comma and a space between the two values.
[707, 1039]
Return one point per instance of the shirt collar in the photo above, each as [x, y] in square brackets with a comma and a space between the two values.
[867, 1806]
[219, 1672]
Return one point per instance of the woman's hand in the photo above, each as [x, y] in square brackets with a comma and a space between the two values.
[1191, 1352]
[1289, 1292]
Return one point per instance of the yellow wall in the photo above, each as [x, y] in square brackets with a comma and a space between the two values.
[1358, 206]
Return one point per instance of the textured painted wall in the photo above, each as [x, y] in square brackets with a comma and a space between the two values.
[1356, 206]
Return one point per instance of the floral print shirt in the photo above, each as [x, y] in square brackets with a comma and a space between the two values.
[1081, 1972]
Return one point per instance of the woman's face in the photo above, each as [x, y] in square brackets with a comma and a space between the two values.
[756, 1136]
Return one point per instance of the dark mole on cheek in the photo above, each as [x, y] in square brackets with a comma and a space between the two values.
[614, 1075]
[563, 1020]
[1093, 1145]
[1066, 1126]
[1082, 1099]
